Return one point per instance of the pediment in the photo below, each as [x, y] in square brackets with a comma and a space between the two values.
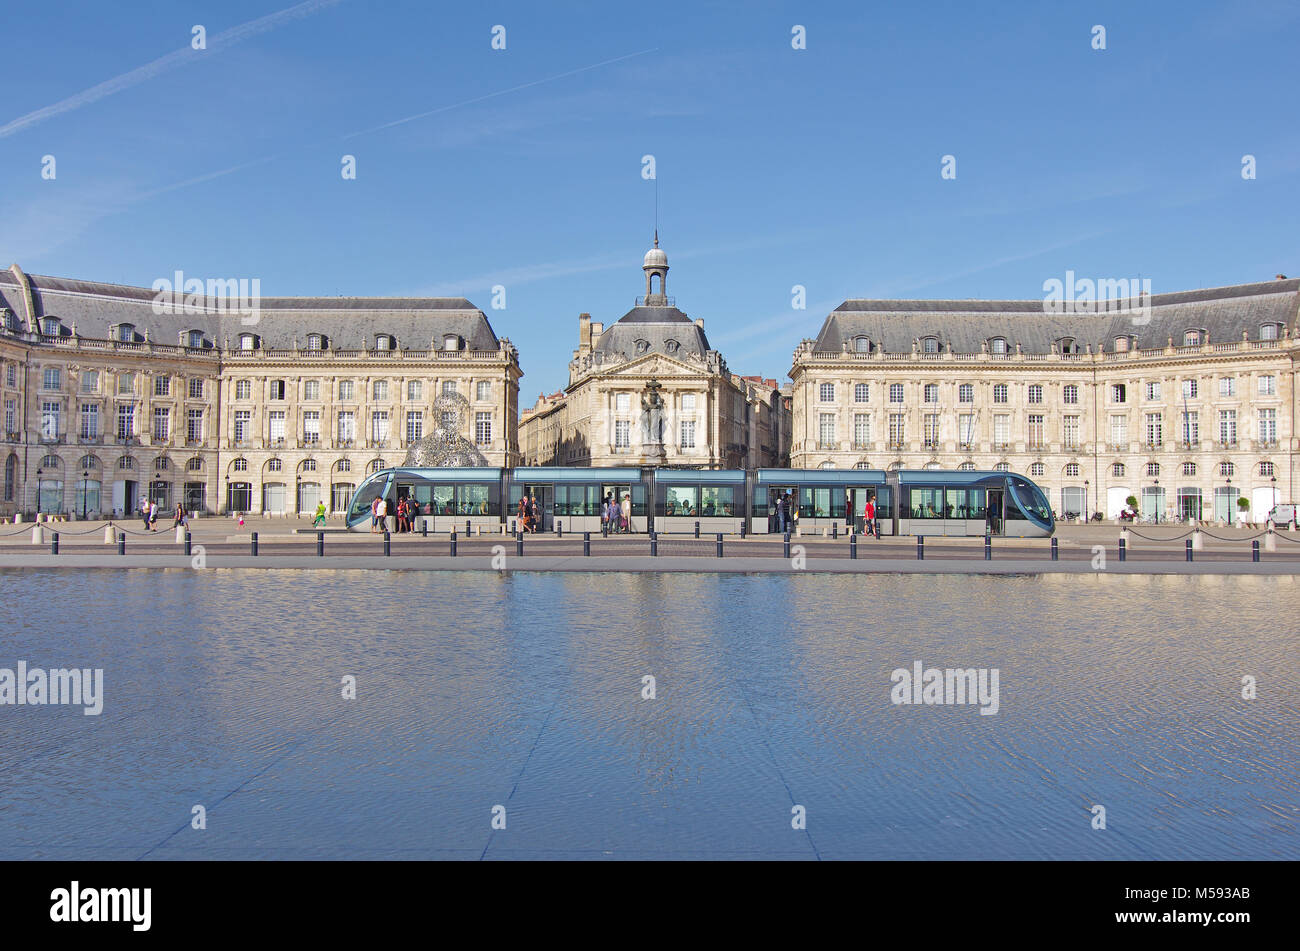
[655, 364]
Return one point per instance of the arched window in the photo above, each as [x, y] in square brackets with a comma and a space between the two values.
[248, 341]
[51, 327]
[1072, 470]
[1191, 338]
[309, 465]
[195, 339]
[1117, 470]
[1227, 469]
[998, 345]
[450, 342]
[161, 464]
[51, 462]
[126, 462]
[89, 462]
[1002, 467]
[966, 467]
[1035, 392]
[376, 465]
[1068, 346]
[239, 465]
[862, 465]
[1266, 469]
[1037, 469]
[194, 465]
[929, 344]
[862, 344]
[1153, 468]
[1269, 332]
[125, 333]
[387, 342]
[1121, 344]
[274, 465]
[1189, 468]
[315, 341]
[344, 465]
[1000, 393]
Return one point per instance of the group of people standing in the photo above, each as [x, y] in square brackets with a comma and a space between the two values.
[529, 515]
[615, 516]
[404, 512]
[785, 514]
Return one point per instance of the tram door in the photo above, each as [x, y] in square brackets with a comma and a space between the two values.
[857, 505]
[774, 493]
[545, 495]
[995, 512]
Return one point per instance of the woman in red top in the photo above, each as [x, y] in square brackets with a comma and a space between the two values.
[869, 516]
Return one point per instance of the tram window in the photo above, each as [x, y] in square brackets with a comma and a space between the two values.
[443, 500]
[473, 500]
[577, 500]
[422, 493]
[964, 503]
[821, 502]
[681, 500]
[926, 503]
[717, 500]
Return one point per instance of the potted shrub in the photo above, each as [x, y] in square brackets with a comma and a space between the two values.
[1243, 506]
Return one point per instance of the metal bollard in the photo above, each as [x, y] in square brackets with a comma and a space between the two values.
[697, 529]
[787, 545]
[1055, 553]
[559, 529]
[720, 544]
[189, 543]
[424, 528]
[920, 548]
[586, 543]
[253, 540]
[1254, 548]
[467, 530]
[654, 544]
[453, 544]
[388, 543]
[742, 527]
[1123, 550]
[519, 545]
[835, 529]
[853, 546]
[54, 545]
[121, 543]
[1189, 549]
[320, 544]
[988, 547]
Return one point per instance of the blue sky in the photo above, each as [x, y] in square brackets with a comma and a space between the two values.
[776, 167]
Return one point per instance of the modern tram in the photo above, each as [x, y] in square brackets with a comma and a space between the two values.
[732, 501]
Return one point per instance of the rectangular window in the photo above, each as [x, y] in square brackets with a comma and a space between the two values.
[622, 429]
[1268, 385]
[311, 390]
[347, 427]
[1119, 431]
[483, 429]
[311, 427]
[1035, 392]
[861, 393]
[11, 416]
[414, 426]
[1227, 386]
[379, 427]
[1228, 427]
[243, 422]
[688, 402]
[50, 420]
[1155, 430]
[194, 425]
[622, 402]
[966, 393]
[89, 421]
[379, 391]
[966, 430]
[1268, 427]
[52, 378]
[931, 393]
[1070, 394]
[861, 431]
[11, 375]
[483, 391]
[688, 434]
[414, 390]
[826, 431]
[1192, 427]
[162, 385]
[162, 423]
[826, 393]
[896, 392]
[1118, 393]
[1189, 389]
[346, 389]
[1037, 435]
[448, 387]
[1153, 391]
[1000, 393]
[1001, 431]
[243, 389]
[277, 389]
[196, 389]
[897, 430]
[1071, 430]
[930, 430]
[126, 421]
[277, 422]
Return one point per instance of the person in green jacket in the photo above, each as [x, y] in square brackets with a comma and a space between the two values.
[320, 515]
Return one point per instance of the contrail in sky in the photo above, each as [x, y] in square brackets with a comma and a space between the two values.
[162, 64]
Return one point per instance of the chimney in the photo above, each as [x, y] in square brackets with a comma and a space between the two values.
[699, 322]
[584, 331]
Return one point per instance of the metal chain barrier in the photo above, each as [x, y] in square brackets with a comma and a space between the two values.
[1150, 539]
[1222, 539]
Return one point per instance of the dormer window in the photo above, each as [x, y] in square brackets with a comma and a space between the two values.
[50, 326]
[1192, 338]
[385, 342]
[451, 342]
[194, 339]
[248, 342]
[125, 333]
[1121, 344]
[10, 321]
[930, 345]
[642, 346]
[1268, 332]
[861, 344]
[1068, 346]
[998, 345]
[670, 346]
[315, 342]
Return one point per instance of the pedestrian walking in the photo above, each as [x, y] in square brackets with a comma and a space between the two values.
[319, 520]
[144, 513]
[625, 514]
[153, 516]
[179, 520]
[604, 515]
[381, 513]
[869, 516]
[374, 515]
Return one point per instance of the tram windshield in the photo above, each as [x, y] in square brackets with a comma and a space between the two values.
[1030, 498]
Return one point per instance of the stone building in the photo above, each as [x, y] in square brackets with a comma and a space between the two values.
[111, 393]
[650, 390]
[1185, 400]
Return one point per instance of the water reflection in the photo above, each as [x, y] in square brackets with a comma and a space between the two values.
[224, 688]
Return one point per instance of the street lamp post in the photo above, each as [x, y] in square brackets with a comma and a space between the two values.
[1087, 515]
[85, 475]
[1274, 481]
[1158, 501]
[1228, 499]
[38, 494]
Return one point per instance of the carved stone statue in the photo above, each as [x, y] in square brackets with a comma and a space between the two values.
[652, 417]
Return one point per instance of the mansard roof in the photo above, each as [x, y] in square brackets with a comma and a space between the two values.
[964, 325]
[659, 327]
[348, 322]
